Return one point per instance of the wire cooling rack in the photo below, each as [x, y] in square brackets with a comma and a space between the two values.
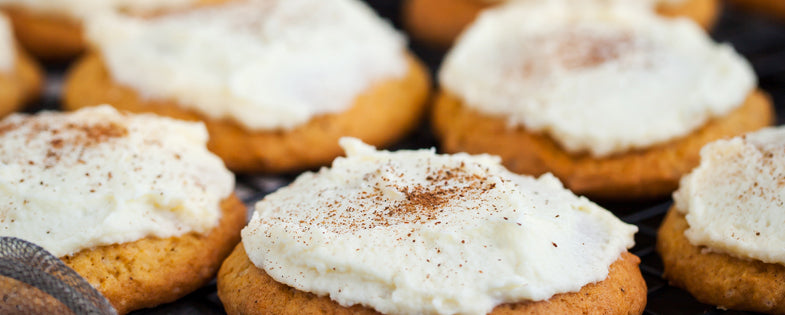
[760, 39]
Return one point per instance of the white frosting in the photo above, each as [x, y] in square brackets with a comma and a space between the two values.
[7, 48]
[85, 9]
[599, 78]
[734, 201]
[96, 177]
[267, 64]
[413, 232]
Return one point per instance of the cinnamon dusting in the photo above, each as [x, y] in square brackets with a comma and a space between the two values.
[6, 127]
[389, 202]
[574, 50]
[425, 202]
[89, 135]
[584, 50]
[61, 139]
[82, 135]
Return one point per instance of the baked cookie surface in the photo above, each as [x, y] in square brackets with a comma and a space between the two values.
[22, 85]
[46, 36]
[439, 22]
[717, 278]
[381, 115]
[153, 271]
[245, 289]
[703, 12]
[644, 173]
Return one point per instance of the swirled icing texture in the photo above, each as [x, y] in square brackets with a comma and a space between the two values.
[266, 64]
[734, 202]
[598, 78]
[97, 177]
[413, 232]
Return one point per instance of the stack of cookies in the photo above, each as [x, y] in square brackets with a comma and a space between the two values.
[539, 105]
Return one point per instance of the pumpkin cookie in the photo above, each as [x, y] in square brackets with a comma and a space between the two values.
[52, 29]
[348, 74]
[716, 278]
[413, 232]
[20, 77]
[135, 204]
[613, 104]
[722, 239]
[154, 271]
[247, 289]
[439, 22]
[645, 173]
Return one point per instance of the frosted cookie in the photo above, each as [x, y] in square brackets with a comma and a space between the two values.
[275, 96]
[439, 22]
[134, 203]
[52, 29]
[616, 102]
[722, 239]
[413, 232]
[20, 76]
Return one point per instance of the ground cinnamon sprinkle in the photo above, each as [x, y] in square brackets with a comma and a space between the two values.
[422, 203]
[423, 198]
[68, 137]
[88, 135]
[581, 50]
[382, 192]
[6, 127]
[71, 133]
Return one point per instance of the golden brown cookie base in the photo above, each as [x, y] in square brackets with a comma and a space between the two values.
[46, 36]
[245, 289]
[50, 36]
[770, 7]
[719, 279]
[639, 174]
[439, 22]
[21, 86]
[380, 116]
[703, 12]
[152, 271]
